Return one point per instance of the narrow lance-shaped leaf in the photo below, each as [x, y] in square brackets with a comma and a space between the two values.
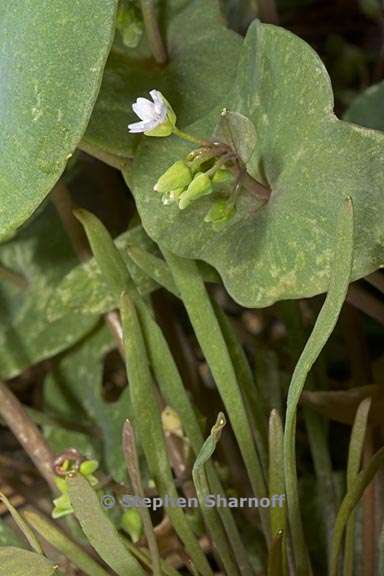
[147, 420]
[276, 472]
[26, 530]
[348, 504]
[107, 255]
[275, 559]
[326, 321]
[63, 544]
[210, 337]
[200, 480]
[99, 530]
[165, 370]
[253, 399]
[354, 459]
[173, 391]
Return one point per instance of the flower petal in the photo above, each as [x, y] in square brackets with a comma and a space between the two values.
[144, 108]
[137, 127]
[159, 103]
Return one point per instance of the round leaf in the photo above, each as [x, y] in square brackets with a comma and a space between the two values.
[51, 60]
[311, 162]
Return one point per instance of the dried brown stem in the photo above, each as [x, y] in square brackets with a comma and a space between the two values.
[132, 461]
[366, 302]
[27, 434]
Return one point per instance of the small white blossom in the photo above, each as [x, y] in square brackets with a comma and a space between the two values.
[157, 117]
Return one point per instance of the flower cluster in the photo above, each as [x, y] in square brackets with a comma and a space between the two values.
[62, 504]
[199, 174]
[210, 169]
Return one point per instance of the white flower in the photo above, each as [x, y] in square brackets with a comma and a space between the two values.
[157, 117]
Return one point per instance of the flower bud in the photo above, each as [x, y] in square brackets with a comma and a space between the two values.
[197, 158]
[132, 524]
[200, 186]
[61, 483]
[223, 177]
[177, 176]
[62, 506]
[88, 467]
[221, 211]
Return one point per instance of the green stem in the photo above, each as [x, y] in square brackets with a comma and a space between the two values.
[153, 31]
[326, 321]
[188, 137]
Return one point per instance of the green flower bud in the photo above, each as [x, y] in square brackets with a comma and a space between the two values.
[62, 506]
[197, 158]
[132, 524]
[88, 467]
[221, 211]
[223, 177]
[130, 24]
[200, 186]
[178, 176]
[172, 196]
[61, 483]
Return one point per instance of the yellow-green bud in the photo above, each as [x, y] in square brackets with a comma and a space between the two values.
[61, 483]
[132, 524]
[88, 467]
[223, 177]
[221, 211]
[197, 158]
[177, 176]
[62, 506]
[200, 186]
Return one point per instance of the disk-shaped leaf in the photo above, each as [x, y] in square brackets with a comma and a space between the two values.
[52, 58]
[18, 562]
[85, 290]
[202, 58]
[367, 109]
[311, 161]
[32, 264]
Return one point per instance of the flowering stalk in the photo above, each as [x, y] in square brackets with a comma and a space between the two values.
[153, 31]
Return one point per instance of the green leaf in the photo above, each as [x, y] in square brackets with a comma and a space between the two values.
[22, 525]
[211, 339]
[99, 530]
[63, 544]
[276, 472]
[147, 419]
[18, 562]
[8, 536]
[26, 335]
[238, 132]
[48, 93]
[85, 289]
[309, 159]
[84, 365]
[325, 323]
[350, 501]
[200, 480]
[201, 52]
[354, 459]
[367, 109]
